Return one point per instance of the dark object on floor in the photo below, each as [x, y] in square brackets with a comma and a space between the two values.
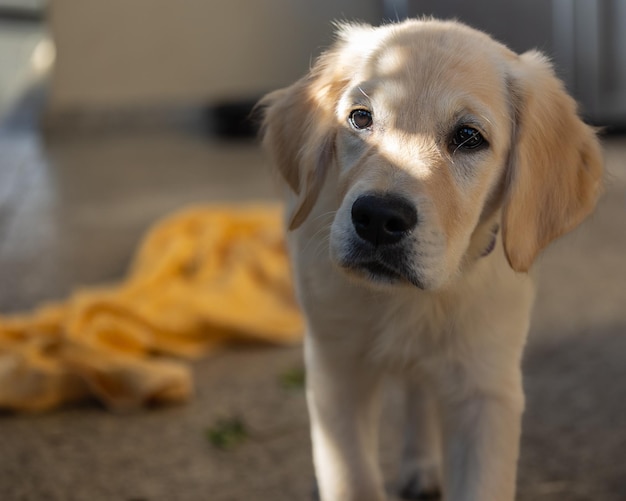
[17, 13]
[234, 120]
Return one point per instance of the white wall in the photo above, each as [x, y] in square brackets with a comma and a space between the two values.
[116, 53]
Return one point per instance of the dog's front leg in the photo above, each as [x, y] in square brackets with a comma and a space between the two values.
[421, 452]
[481, 443]
[343, 407]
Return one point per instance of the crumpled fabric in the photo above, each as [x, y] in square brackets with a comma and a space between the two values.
[201, 279]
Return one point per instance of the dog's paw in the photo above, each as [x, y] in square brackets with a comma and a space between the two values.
[414, 491]
[420, 484]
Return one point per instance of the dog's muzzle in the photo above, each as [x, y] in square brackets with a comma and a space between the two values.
[382, 223]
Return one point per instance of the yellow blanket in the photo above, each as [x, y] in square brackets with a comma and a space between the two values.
[202, 278]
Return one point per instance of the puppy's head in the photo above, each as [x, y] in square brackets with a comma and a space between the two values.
[437, 136]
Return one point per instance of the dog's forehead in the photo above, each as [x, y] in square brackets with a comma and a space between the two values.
[430, 45]
[434, 68]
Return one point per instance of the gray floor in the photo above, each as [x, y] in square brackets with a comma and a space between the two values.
[74, 205]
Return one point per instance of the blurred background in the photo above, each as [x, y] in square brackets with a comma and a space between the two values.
[115, 113]
[111, 55]
[115, 55]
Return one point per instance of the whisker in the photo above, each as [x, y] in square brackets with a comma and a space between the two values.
[330, 213]
[322, 247]
[461, 144]
[314, 238]
[364, 93]
[485, 119]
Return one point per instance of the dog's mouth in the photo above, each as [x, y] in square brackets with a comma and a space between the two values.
[383, 265]
[378, 271]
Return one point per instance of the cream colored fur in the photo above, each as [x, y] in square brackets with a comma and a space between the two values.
[455, 329]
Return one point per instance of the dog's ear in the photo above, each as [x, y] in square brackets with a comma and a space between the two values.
[300, 124]
[299, 133]
[555, 171]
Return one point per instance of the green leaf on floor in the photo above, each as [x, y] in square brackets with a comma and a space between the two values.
[227, 433]
[293, 379]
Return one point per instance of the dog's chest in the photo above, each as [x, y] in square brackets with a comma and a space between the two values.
[411, 335]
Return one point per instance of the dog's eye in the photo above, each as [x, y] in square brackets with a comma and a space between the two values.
[467, 138]
[361, 119]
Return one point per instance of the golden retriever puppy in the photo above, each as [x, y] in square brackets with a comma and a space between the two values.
[425, 165]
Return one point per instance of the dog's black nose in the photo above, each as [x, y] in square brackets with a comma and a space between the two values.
[383, 219]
